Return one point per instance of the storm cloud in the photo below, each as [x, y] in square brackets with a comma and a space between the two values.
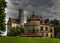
[46, 8]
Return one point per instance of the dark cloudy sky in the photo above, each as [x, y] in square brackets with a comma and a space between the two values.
[46, 8]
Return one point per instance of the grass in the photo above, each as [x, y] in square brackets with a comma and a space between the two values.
[18, 39]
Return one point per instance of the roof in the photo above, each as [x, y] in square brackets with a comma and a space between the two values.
[33, 17]
[14, 20]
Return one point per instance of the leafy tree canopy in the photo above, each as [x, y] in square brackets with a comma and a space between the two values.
[16, 31]
[2, 15]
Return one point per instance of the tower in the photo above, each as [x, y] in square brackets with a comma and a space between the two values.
[21, 17]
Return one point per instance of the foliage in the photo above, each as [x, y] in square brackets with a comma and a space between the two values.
[47, 21]
[55, 22]
[2, 15]
[56, 26]
[16, 31]
[57, 30]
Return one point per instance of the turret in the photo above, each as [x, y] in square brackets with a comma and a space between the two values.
[21, 17]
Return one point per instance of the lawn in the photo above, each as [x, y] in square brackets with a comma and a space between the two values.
[18, 39]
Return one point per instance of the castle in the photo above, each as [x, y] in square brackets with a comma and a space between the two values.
[35, 26]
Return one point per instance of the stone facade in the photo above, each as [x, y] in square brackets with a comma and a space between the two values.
[35, 26]
[16, 22]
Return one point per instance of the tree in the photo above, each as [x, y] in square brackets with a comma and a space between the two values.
[56, 24]
[57, 30]
[47, 21]
[15, 31]
[2, 15]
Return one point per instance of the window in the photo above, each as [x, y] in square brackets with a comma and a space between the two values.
[37, 30]
[51, 35]
[46, 28]
[33, 31]
[41, 22]
[51, 30]
[41, 29]
[46, 34]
